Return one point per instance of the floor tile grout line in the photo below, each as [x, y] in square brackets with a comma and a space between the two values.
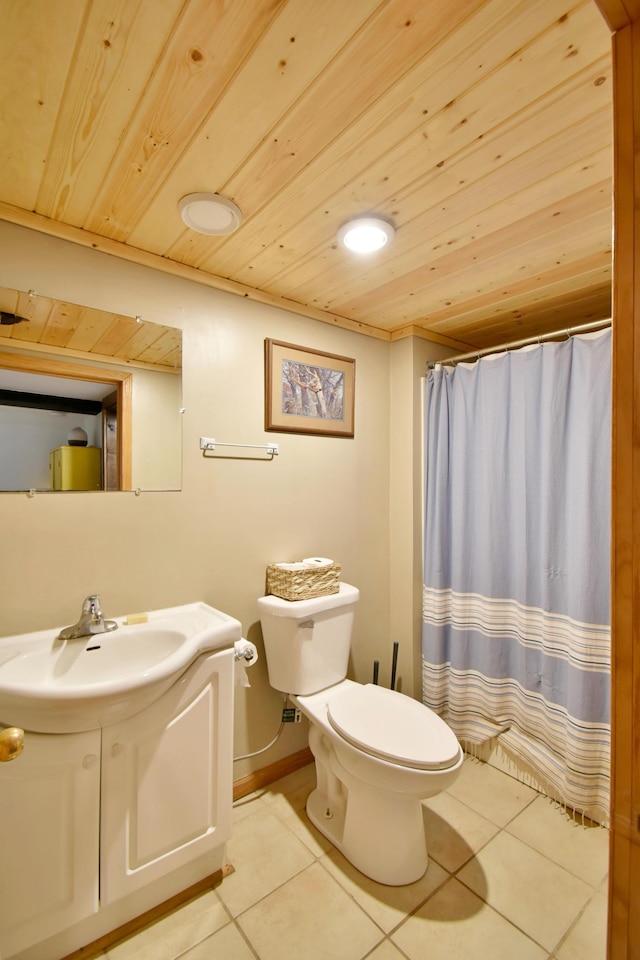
[454, 875]
[387, 939]
[386, 935]
[283, 883]
[351, 896]
[317, 861]
[500, 826]
[181, 953]
[450, 875]
[419, 906]
[575, 922]
[536, 849]
[246, 939]
[505, 829]
[512, 922]
[562, 866]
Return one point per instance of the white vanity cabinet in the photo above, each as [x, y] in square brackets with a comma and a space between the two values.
[49, 830]
[167, 781]
[98, 827]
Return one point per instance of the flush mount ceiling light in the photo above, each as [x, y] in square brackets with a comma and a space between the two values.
[366, 234]
[210, 213]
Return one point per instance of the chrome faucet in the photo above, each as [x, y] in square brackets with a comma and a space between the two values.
[91, 621]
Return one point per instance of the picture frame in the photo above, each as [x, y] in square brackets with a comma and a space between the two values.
[308, 391]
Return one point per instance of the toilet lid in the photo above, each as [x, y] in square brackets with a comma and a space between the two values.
[395, 727]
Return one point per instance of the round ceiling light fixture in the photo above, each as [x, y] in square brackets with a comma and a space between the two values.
[210, 213]
[365, 234]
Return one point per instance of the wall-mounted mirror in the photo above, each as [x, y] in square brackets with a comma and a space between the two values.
[89, 400]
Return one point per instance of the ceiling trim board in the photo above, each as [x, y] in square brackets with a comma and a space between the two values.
[65, 231]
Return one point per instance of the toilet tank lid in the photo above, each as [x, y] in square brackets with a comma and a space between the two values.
[394, 727]
[302, 609]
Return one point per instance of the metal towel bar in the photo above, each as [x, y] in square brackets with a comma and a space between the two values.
[209, 444]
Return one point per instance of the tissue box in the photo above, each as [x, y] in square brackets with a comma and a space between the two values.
[301, 581]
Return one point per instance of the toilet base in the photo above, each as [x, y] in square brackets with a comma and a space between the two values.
[369, 808]
[330, 825]
[391, 851]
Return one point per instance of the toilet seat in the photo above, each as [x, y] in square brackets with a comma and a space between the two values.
[394, 727]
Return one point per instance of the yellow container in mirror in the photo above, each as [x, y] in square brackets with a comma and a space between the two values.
[76, 468]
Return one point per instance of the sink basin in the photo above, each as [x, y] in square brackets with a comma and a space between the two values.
[67, 686]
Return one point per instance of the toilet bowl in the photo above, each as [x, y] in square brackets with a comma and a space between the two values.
[373, 774]
[378, 752]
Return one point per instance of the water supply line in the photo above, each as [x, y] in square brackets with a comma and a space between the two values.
[248, 756]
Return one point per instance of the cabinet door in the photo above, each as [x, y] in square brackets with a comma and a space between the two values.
[167, 780]
[49, 830]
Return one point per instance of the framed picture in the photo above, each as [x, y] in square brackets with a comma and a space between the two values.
[308, 391]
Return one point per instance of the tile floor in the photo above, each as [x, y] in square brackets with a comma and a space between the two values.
[510, 876]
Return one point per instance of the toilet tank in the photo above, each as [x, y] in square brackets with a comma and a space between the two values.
[307, 642]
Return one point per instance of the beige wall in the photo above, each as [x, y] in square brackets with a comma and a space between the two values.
[408, 360]
[213, 540]
[156, 429]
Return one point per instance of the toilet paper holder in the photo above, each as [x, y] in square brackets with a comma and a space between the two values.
[245, 651]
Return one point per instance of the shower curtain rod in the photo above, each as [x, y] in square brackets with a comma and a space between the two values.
[504, 347]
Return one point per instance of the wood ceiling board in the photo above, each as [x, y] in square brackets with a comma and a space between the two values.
[142, 338]
[385, 105]
[265, 268]
[293, 268]
[292, 52]
[36, 311]
[91, 326]
[452, 221]
[115, 336]
[37, 46]
[471, 324]
[495, 273]
[180, 93]
[380, 55]
[519, 246]
[562, 312]
[61, 323]
[120, 45]
[86, 333]
[161, 349]
[397, 114]
[593, 271]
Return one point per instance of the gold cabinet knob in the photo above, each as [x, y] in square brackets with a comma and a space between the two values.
[11, 743]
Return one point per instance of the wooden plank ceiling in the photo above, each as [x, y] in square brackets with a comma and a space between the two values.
[481, 129]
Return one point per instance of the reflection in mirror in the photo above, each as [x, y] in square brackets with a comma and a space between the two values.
[89, 400]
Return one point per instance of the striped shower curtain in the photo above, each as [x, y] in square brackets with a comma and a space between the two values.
[516, 636]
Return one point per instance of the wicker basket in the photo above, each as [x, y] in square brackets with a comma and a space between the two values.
[304, 583]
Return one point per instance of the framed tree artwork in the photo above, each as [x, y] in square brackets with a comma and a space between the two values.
[308, 391]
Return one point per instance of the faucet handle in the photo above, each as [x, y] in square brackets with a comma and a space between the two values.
[91, 606]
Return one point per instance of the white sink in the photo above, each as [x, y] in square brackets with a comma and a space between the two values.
[66, 686]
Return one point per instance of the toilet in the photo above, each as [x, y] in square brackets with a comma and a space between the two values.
[378, 753]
